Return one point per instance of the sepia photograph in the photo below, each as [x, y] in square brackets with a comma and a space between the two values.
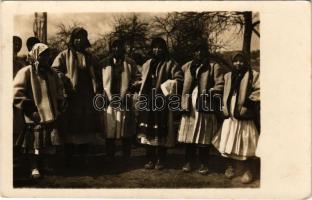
[136, 100]
[162, 99]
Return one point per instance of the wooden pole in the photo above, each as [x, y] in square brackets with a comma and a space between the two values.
[40, 26]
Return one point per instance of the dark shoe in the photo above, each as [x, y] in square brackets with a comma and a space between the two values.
[83, 161]
[159, 165]
[187, 167]
[86, 162]
[229, 172]
[203, 170]
[110, 159]
[149, 165]
[48, 170]
[125, 157]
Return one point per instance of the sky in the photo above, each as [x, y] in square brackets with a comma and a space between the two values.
[98, 24]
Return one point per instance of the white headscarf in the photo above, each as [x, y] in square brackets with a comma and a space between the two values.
[34, 53]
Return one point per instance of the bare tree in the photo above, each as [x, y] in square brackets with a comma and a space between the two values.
[100, 46]
[180, 30]
[183, 30]
[132, 30]
[60, 40]
[164, 26]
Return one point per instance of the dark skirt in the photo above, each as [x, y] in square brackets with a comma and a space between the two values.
[81, 121]
[41, 137]
[157, 128]
[18, 124]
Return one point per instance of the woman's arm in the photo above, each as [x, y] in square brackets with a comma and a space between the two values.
[21, 95]
[218, 78]
[255, 93]
[59, 64]
[177, 74]
[61, 94]
[92, 70]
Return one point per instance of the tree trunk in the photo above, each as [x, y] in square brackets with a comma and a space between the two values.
[247, 33]
[40, 26]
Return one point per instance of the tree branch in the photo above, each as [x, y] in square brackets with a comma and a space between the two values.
[256, 32]
[255, 23]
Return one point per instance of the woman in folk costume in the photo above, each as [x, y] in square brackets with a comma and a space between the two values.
[241, 100]
[75, 67]
[203, 80]
[18, 63]
[156, 125]
[119, 75]
[39, 94]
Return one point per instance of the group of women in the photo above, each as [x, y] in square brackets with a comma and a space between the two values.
[56, 98]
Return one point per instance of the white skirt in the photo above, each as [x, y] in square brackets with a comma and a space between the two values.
[237, 139]
[197, 128]
[118, 123]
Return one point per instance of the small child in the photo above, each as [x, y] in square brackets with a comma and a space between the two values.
[38, 93]
[241, 102]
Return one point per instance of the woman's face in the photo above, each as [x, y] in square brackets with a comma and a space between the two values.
[80, 41]
[44, 60]
[239, 62]
[157, 51]
[118, 50]
[127, 48]
[198, 55]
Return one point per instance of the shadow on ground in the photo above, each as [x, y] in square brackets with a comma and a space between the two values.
[100, 173]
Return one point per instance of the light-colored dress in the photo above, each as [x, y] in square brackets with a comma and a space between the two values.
[118, 78]
[238, 138]
[197, 128]
[118, 123]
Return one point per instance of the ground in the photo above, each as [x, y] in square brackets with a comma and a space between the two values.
[100, 173]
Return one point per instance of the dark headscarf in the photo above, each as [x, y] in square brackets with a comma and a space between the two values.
[116, 43]
[237, 74]
[200, 45]
[75, 33]
[243, 56]
[31, 42]
[160, 42]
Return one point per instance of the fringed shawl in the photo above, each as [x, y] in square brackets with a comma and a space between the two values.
[249, 90]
